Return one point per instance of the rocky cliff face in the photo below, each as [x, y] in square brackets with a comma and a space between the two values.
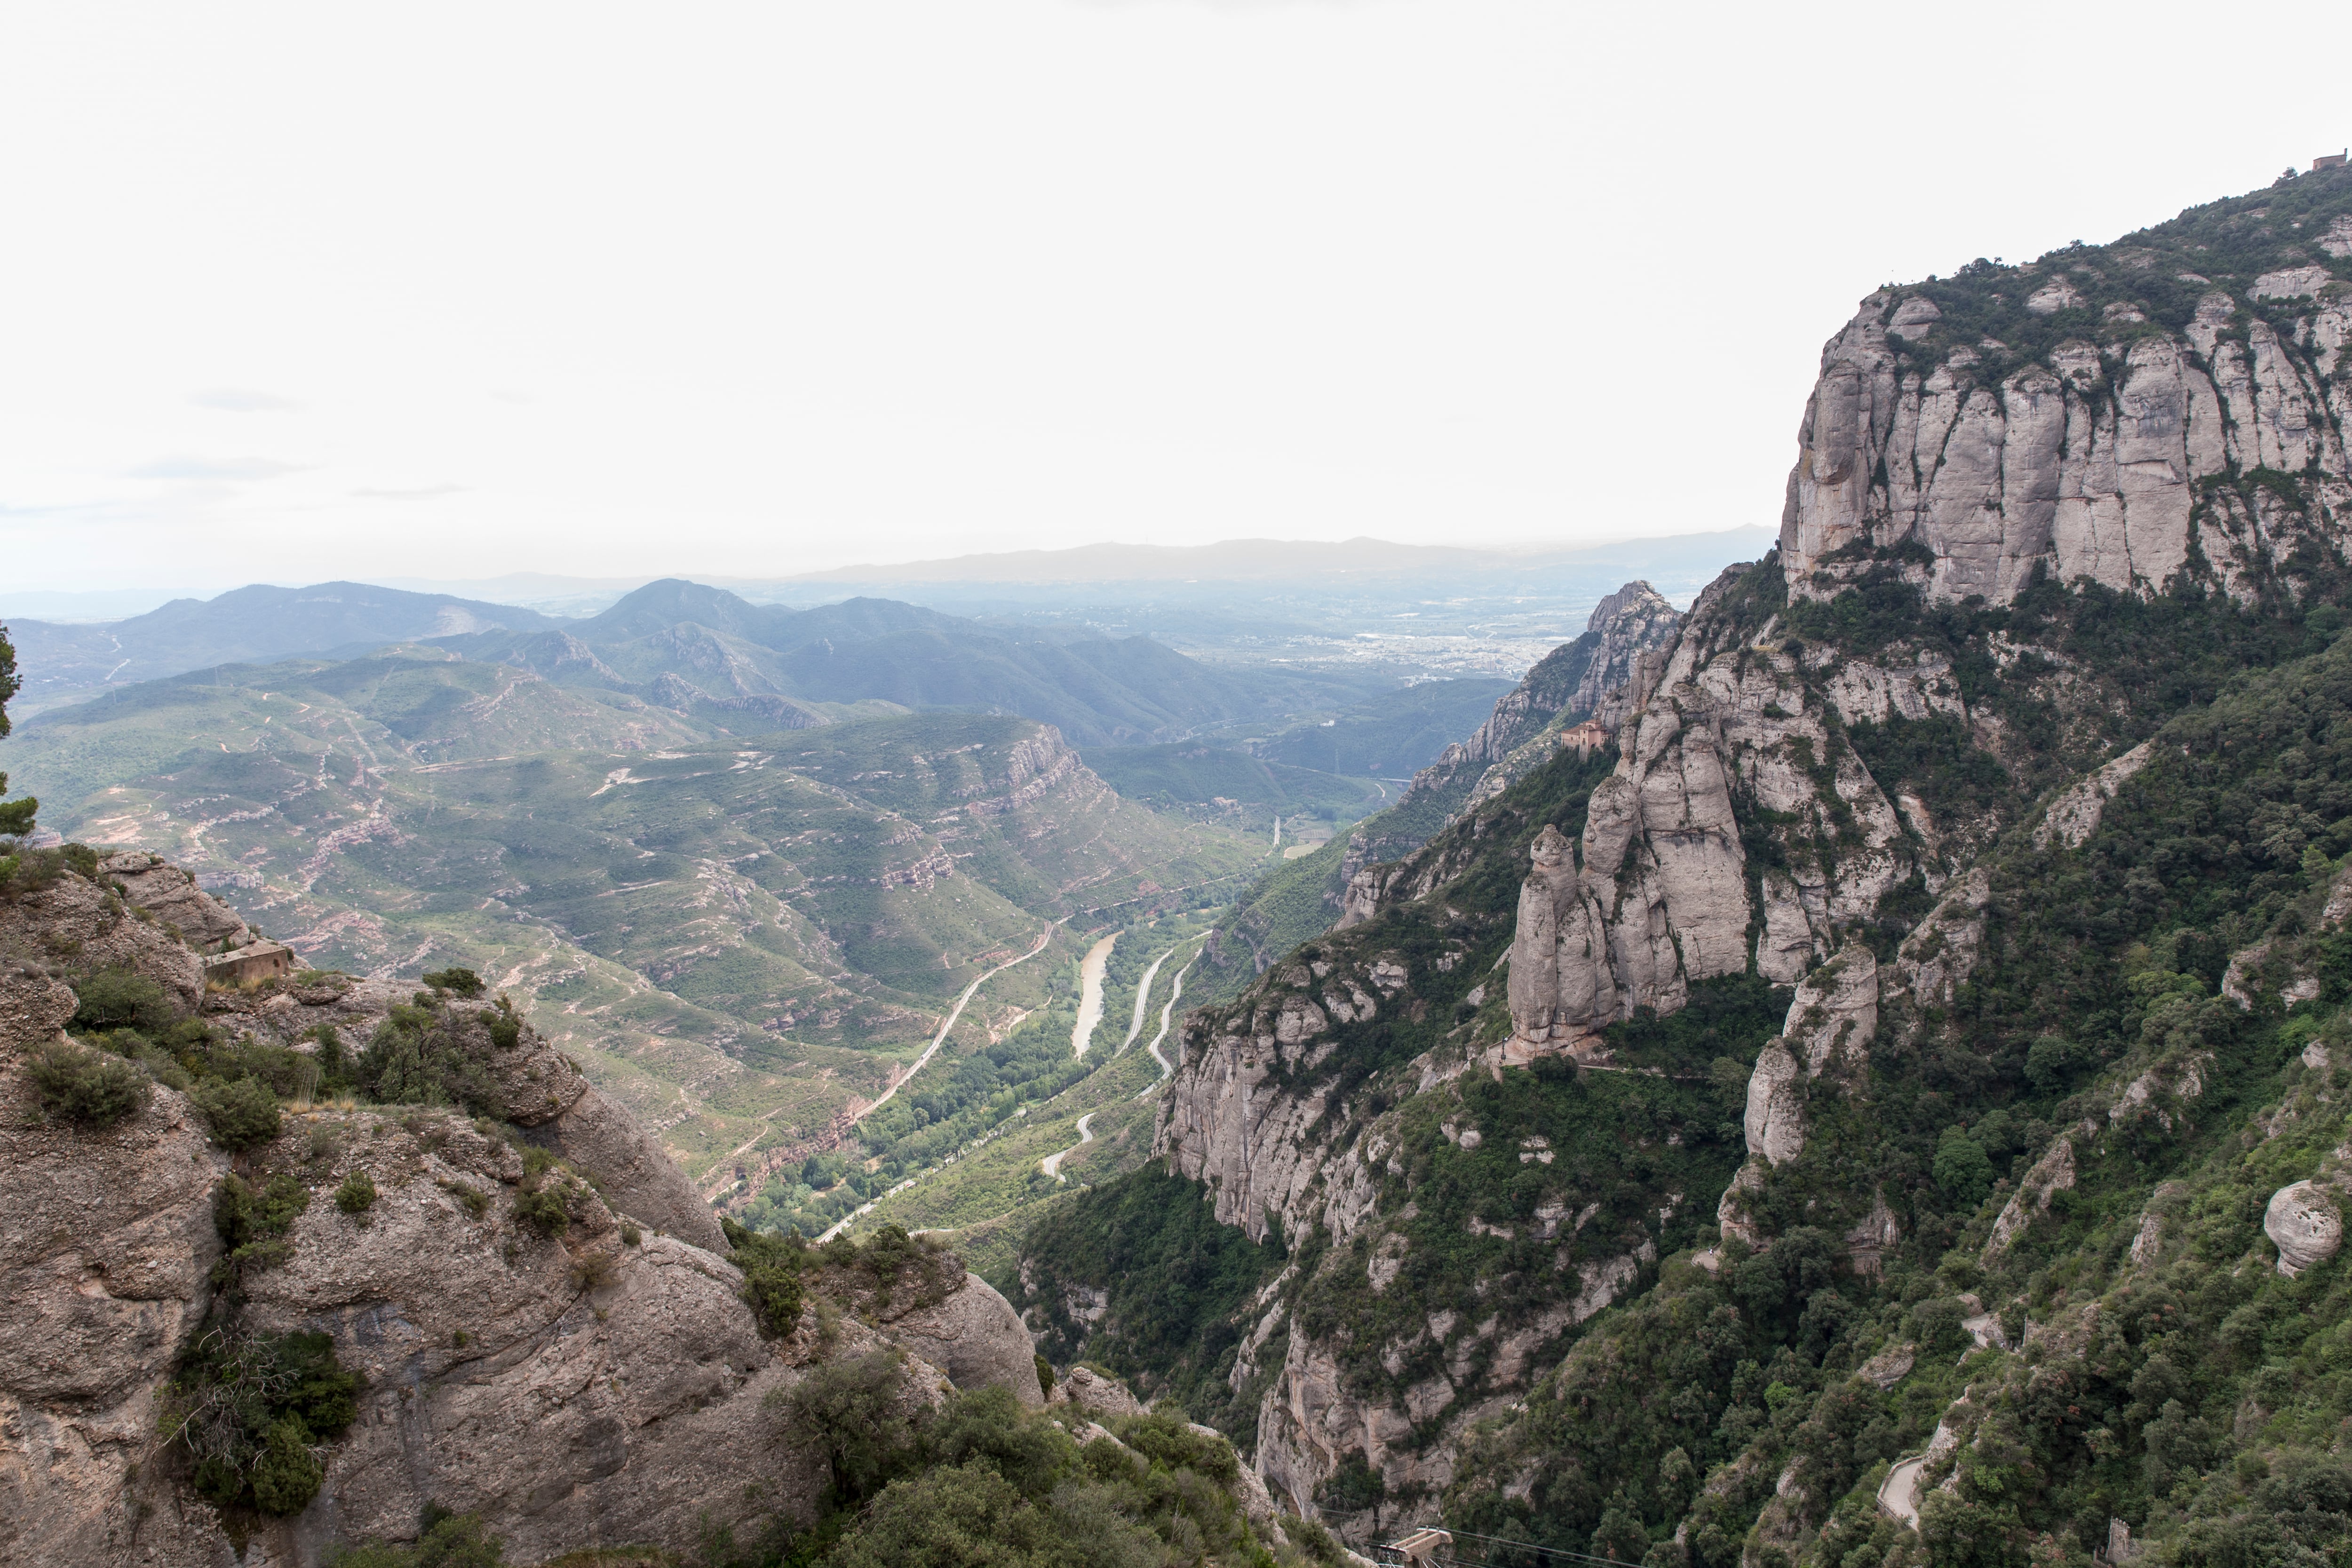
[1577, 681]
[2072, 417]
[599, 1382]
[1809, 774]
[1311, 1107]
[1887, 961]
[1658, 893]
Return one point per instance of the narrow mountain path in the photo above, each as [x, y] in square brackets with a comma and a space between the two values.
[1899, 1493]
[1052, 1163]
[1090, 994]
[1277, 837]
[1166, 1012]
[1142, 1000]
[941, 1038]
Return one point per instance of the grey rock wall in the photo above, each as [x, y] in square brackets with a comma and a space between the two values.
[1655, 896]
[577, 1391]
[2087, 464]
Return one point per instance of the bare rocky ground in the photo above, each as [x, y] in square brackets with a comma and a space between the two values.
[595, 1388]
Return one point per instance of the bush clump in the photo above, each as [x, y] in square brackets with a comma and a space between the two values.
[542, 1210]
[772, 1266]
[457, 982]
[908, 1484]
[25, 871]
[250, 1408]
[93, 1088]
[357, 1195]
[450, 1541]
[593, 1270]
[892, 1261]
[253, 1222]
[121, 999]
[476, 1202]
[241, 1112]
[543, 1201]
[416, 1057]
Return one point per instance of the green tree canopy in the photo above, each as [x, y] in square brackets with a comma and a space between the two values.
[17, 816]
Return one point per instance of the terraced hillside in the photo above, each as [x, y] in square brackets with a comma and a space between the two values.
[740, 938]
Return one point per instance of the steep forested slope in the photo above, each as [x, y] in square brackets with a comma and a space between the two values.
[1915, 1041]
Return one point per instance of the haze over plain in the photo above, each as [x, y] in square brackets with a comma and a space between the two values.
[307, 294]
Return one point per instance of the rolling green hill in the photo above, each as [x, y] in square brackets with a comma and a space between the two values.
[686, 647]
[739, 936]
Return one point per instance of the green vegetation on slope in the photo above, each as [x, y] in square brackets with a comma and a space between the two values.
[2167, 1377]
[769, 926]
[1195, 773]
[1176, 1287]
[976, 1170]
[1188, 1343]
[1392, 736]
[1295, 902]
[977, 1480]
[2159, 273]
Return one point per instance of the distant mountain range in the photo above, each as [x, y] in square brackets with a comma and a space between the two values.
[710, 654]
[1284, 560]
[1668, 557]
[739, 934]
[701, 652]
[63, 662]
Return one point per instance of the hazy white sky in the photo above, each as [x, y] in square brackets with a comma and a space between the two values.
[299, 291]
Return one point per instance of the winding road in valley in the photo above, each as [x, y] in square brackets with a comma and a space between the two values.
[1052, 1163]
[1166, 1012]
[941, 1038]
[1142, 1000]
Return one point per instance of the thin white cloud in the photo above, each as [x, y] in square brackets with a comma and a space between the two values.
[242, 400]
[187, 468]
[427, 492]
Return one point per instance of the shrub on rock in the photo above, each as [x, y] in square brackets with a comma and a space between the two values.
[93, 1088]
[357, 1195]
[241, 1112]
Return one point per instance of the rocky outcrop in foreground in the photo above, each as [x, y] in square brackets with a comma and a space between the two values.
[579, 1377]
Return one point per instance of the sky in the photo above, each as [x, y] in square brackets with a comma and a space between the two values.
[299, 292]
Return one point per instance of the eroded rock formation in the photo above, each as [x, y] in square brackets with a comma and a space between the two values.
[1656, 895]
[604, 1383]
[2305, 1222]
[2083, 463]
[1584, 679]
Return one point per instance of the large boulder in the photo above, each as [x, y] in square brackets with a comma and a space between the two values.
[2305, 1223]
[975, 1337]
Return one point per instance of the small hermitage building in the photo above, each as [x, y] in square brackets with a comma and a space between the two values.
[1584, 739]
[256, 959]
